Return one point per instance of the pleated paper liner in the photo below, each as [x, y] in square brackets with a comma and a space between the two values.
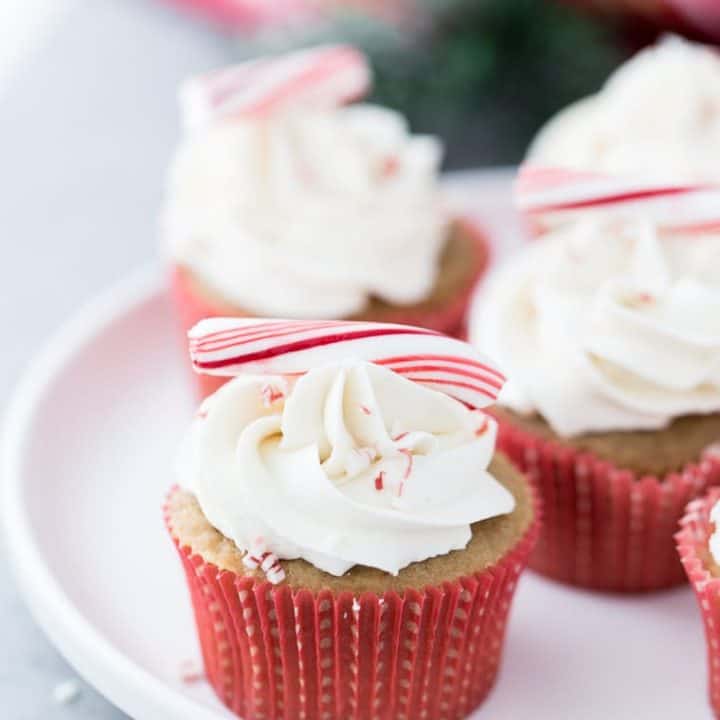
[272, 652]
[692, 546]
[448, 317]
[604, 527]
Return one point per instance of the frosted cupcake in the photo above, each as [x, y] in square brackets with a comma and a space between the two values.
[648, 141]
[698, 543]
[351, 538]
[285, 201]
[609, 332]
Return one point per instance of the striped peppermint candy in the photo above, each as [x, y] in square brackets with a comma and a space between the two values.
[553, 195]
[324, 76]
[258, 556]
[231, 346]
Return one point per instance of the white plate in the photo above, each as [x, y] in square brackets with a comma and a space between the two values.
[90, 444]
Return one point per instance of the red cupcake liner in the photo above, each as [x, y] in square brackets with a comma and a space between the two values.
[272, 652]
[692, 546]
[604, 527]
[450, 318]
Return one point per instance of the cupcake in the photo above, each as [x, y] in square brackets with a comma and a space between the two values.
[609, 332]
[284, 200]
[698, 543]
[350, 536]
[648, 141]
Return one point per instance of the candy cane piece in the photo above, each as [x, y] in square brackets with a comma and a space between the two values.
[272, 568]
[259, 557]
[271, 394]
[324, 76]
[380, 481]
[231, 346]
[552, 195]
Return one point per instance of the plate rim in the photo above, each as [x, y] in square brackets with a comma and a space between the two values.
[131, 688]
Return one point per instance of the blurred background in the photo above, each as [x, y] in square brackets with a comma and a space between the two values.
[483, 74]
[88, 123]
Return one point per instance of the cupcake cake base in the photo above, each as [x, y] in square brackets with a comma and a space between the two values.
[612, 501]
[423, 644]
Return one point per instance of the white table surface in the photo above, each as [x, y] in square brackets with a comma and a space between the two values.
[87, 124]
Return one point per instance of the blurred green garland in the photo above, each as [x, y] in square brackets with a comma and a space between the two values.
[490, 72]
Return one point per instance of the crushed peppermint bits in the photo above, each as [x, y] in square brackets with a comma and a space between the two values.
[271, 394]
[380, 480]
[259, 557]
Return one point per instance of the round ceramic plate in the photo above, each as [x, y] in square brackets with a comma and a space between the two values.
[89, 453]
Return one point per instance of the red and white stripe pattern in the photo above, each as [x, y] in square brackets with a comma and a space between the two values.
[325, 76]
[259, 557]
[231, 346]
[549, 196]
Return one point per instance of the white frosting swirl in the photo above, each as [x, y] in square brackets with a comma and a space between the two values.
[606, 325]
[355, 465]
[658, 113]
[309, 213]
